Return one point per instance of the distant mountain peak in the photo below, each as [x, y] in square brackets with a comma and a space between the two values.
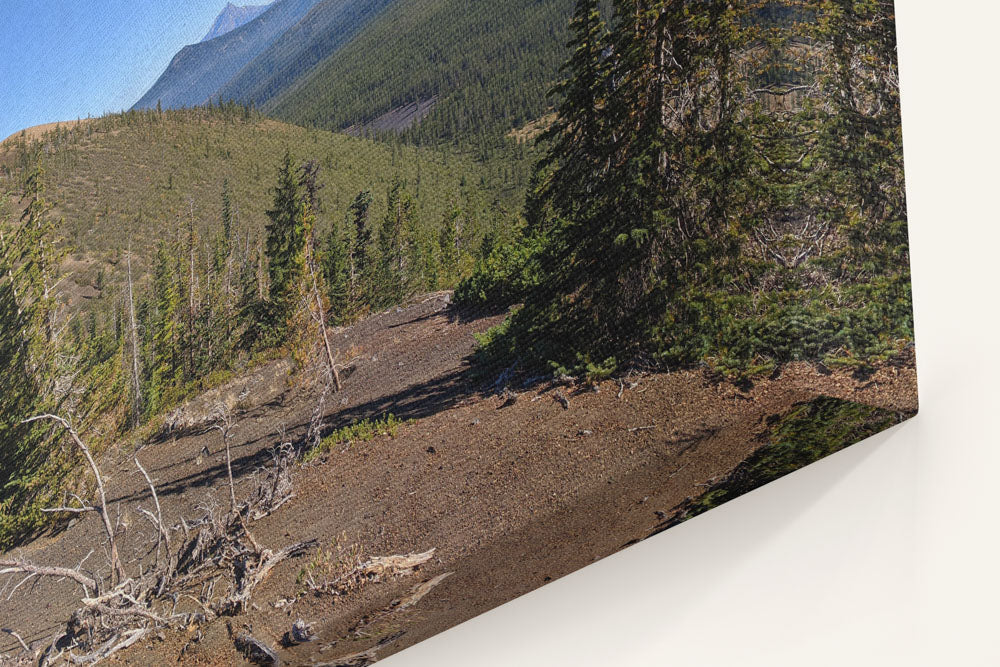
[232, 17]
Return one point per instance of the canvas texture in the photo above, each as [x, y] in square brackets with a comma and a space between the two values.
[373, 315]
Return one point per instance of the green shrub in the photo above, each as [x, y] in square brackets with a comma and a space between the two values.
[503, 278]
[362, 431]
[856, 325]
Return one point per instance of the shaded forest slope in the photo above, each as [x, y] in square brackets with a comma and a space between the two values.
[328, 26]
[335, 64]
[490, 65]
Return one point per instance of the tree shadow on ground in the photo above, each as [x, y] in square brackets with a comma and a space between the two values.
[417, 401]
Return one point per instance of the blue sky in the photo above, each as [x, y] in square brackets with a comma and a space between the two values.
[64, 59]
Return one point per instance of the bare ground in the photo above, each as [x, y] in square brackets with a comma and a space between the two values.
[510, 496]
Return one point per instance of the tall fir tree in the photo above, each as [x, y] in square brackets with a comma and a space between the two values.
[38, 265]
[336, 271]
[636, 201]
[577, 136]
[448, 246]
[394, 244]
[862, 135]
[308, 306]
[362, 255]
[187, 267]
[286, 244]
[228, 213]
[29, 354]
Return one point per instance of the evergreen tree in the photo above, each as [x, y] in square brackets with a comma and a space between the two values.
[741, 203]
[250, 307]
[362, 254]
[29, 352]
[862, 136]
[394, 244]
[38, 264]
[420, 260]
[227, 212]
[337, 273]
[167, 371]
[286, 242]
[18, 386]
[308, 305]
[448, 246]
[187, 268]
[578, 136]
[636, 203]
[217, 318]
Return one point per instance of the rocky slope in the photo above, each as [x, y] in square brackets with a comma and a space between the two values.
[510, 491]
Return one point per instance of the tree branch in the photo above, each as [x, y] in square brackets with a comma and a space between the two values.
[11, 566]
[116, 565]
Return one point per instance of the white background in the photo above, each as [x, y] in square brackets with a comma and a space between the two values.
[885, 554]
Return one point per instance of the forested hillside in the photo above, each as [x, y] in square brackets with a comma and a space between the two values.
[135, 178]
[483, 70]
[326, 28]
[489, 64]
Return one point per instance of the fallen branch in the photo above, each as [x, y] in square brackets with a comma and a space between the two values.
[398, 566]
[110, 647]
[116, 565]
[16, 636]
[254, 574]
[417, 593]
[70, 510]
[375, 569]
[420, 591]
[12, 566]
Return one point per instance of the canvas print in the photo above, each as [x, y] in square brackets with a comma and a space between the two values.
[365, 317]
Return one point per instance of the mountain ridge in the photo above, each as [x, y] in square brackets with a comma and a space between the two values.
[353, 64]
[329, 26]
[233, 17]
[199, 70]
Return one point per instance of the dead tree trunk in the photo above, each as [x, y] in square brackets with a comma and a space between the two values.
[134, 337]
[118, 572]
[224, 425]
[321, 319]
[192, 306]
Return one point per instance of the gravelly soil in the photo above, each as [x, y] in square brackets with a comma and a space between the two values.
[510, 496]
